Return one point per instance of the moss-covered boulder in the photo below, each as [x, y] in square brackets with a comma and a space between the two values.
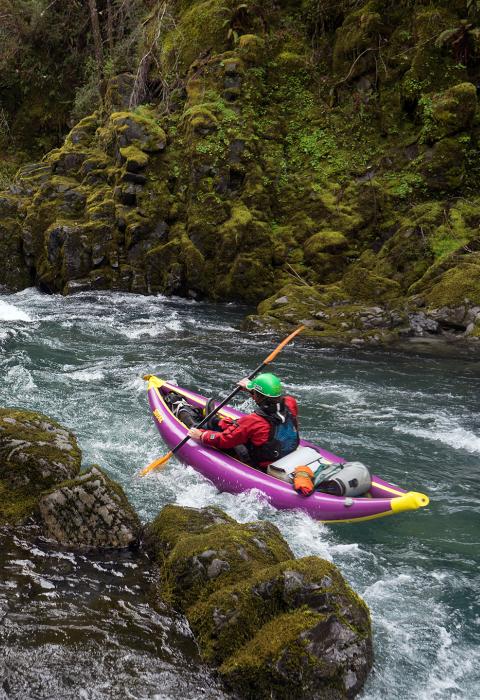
[138, 129]
[274, 626]
[215, 555]
[231, 616]
[89, 512]
[300, 654]
[449, 112]
[15, 274]
[36, 452]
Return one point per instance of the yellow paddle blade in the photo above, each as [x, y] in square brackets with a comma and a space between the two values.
[280, 347]
[156, 464]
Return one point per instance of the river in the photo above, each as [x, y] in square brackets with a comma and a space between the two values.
[82, 627]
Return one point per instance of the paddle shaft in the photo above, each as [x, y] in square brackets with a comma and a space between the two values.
[239, 388]
[222, 403]
[270, 358]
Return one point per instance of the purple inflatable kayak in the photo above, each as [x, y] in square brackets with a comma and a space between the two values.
[229, 474]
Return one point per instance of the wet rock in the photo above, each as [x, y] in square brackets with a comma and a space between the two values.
[35, 450]
[274, 626]
[89, 512]
[205, 550]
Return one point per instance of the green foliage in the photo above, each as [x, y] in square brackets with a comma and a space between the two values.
[404, 184]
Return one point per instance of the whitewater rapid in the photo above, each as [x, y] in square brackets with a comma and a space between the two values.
[414, 420]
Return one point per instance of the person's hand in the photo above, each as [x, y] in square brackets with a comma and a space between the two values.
[243, 383]
[195, 433]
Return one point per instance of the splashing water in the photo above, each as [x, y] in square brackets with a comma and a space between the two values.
[414, 420]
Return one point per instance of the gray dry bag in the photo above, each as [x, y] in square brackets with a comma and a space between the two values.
[352, 480]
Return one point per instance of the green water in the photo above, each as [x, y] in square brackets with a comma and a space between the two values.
[414, 420]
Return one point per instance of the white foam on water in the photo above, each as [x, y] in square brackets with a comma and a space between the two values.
[345, 391]
[87, 375]
[34, 551]
[19, 380]
[457, 437]
[43, 583]
[146, 331]
[10, 312]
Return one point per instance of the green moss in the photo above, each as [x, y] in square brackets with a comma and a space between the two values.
[443, 166]
[358, 34]
[232, 616]
[202, 23]
[251, 47]
[16, 505]
[456, 285]
[272, 640]
[361, 284]
[174, 522]
[200, 563]
[134, 158]
[449, 112]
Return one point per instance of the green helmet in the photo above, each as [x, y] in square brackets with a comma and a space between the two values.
[266, 384]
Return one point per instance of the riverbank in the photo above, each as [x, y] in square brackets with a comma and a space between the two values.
[414, 421]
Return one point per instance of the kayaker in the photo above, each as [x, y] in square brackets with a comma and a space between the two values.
[269, 433]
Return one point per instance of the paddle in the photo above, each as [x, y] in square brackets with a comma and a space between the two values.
[163, 460]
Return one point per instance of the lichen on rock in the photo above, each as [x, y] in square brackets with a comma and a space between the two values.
[89, 512]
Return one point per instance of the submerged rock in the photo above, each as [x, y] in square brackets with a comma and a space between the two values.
[274, 626]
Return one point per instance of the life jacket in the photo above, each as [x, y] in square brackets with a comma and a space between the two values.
[283, 437]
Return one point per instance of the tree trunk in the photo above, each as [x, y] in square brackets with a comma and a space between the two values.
[111, 41]
[97, 36]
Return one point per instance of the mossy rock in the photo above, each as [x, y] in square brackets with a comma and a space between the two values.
[455, 285]
[89, 512]
[119, 91]
[14, 273]
[174, 522]
[431, 68]
[175, 267]
[201, 25]
[325, 242]
[358, 33]
[300, 654]
[451, 111]
[251, 47]
[139, 128]
[201, 119]
[363, 285]
[199, 562]
[292, 302]
[323, 252]
[443, 165]
[135, 160]
[83, 132]
[249, 279]
[232, 616]
[36, 452]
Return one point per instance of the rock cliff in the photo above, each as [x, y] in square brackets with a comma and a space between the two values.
[318, 158]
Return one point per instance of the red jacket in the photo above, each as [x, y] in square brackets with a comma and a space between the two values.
[252, 428]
